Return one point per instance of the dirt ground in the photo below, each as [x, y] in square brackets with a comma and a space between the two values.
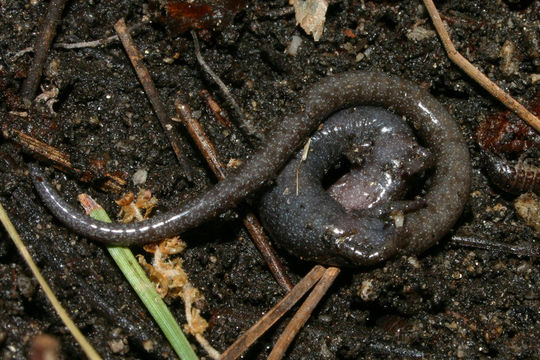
[454, 301]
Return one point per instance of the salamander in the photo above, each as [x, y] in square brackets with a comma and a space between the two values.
[445, 198]
[345, 224]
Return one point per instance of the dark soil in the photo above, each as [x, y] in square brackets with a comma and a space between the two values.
[452, 302]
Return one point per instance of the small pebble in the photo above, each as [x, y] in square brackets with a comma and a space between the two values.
[294, 45]
[140, 176]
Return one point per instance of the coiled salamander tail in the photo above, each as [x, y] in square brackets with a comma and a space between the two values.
[340, 226]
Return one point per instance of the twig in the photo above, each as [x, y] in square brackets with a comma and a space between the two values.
[62, 161]
[98, 42]
[216, 109]
[273, 315]
[477, 242]
[244, 124]
[303, 314]
[476, 74]
[62, 313]
[42, 150]
[151, 92]
[82, 44]
[41, 49]
[202, 141]
[256, 230]
[250, 221]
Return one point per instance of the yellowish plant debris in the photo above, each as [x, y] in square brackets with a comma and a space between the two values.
[131, 211]
[310, 15]
[171, 280]
[196, 323]
[169, 246]
[528, 207]
[166, 271]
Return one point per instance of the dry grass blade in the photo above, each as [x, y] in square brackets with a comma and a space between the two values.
[303, 314]
[85, 345]
[269, 319]
[476, 74]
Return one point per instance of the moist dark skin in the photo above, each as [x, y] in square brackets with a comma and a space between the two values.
[445, 198]
[346, 224]
[382, 152]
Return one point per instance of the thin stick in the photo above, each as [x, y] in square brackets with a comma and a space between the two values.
[151, 92]
[303, 314]
[476, 74]
[250, 221]
[82, 44]
[62, 161]
[39, 149]
[261, 241]
[264, 323]
[480, 243]
[62, 313]
[244, 124]
[98, 42]
[202, 141]
[216, 109]
[41, 47]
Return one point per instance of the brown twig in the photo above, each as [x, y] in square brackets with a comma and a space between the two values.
[243, 122]
[42, 150]
[261, 241]
[273, 315]
[303, 314]
[151, 92]
[61, 160]
[476, 74]
[216, 109]
[480, 243]
[250, 221]
[41, 49]
[202, 141]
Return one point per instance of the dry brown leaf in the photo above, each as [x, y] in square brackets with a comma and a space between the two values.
[311, 15]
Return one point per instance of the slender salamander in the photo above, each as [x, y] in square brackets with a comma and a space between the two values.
[445, 198]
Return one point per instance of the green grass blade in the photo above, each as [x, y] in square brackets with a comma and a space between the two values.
[147, 293]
